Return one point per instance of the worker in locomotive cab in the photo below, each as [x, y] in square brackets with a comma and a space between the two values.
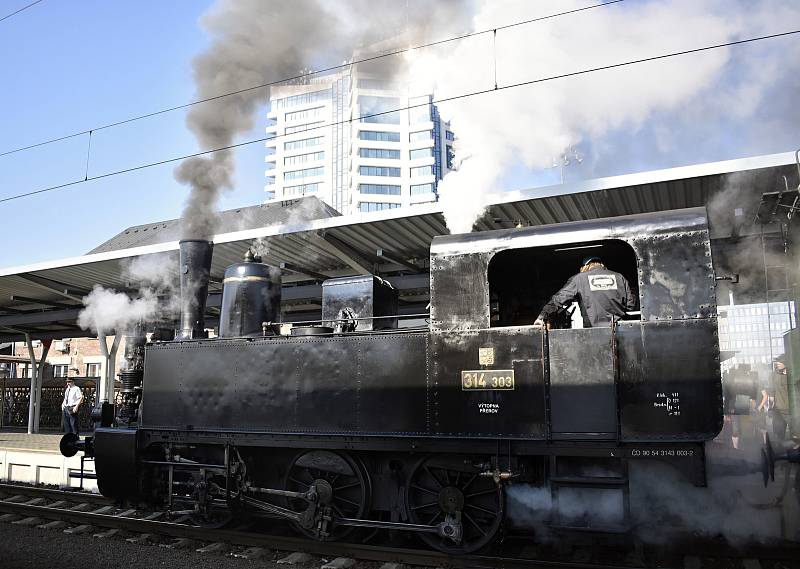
[602, 295]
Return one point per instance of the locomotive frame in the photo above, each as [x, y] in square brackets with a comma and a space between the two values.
[426, 426]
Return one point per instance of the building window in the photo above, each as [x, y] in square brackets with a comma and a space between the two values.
[302, 127]
[92, 370]
[304, 143]
[418, 153]
[379, 110]
[379, 153]
[379, 171]
[295, 174]
[450, 156]
[422, 171]
[379, 136]
[24, 370]
[383, 189]
[60, 370]
[420, 135]
[304, 114]
[300, 191]
[376, 206]
[302, 158]
[303, 99]
[417, 189]
[448, 134]
[419, 109]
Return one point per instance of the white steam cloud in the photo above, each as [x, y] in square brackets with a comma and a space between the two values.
[107, 311]
[154, 277]
[535, 124]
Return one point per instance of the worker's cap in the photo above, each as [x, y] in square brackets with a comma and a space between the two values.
[780, 359]
[591, 259]
[70, 379]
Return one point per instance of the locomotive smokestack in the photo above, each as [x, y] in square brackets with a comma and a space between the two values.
[195, 267]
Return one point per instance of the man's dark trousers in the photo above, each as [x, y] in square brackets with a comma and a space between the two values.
[70, 422]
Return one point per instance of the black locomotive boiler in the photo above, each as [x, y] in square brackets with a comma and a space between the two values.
[359, 423]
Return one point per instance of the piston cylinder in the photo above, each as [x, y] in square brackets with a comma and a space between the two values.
[195, 267]
[251, 295]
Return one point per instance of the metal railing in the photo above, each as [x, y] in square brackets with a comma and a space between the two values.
[14, 400]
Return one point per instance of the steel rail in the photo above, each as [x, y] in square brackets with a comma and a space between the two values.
[40, 492]
[360, 551]
[249, 539]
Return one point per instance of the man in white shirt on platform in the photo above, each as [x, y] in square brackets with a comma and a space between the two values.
[73, 397]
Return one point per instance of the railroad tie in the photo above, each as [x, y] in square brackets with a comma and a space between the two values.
[340, 563]
[142, 539]
[251, 553]
[127, 514]
[34, 502]
[107, 534]
[295, 558]
[216, 547]
[57, 524]
[77, 530]
[82, 507]
[392, 565]
[103, 510]
[8, 517]
[28, 522]
[153, 516]
[180, 543]
[59, 504]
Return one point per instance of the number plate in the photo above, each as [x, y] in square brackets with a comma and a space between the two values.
[487, 380]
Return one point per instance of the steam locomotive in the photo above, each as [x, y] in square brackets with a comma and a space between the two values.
[357, 422]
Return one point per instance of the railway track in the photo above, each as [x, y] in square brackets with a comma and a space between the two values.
[92, 514]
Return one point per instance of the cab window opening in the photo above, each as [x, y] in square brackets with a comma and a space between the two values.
[522, 281]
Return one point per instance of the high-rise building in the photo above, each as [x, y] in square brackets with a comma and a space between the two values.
[752, 334]
[341, 137]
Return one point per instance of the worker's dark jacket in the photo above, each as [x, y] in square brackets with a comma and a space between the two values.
[601, 294]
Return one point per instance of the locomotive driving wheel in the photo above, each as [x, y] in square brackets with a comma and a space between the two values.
[342, 485]
[448, 490]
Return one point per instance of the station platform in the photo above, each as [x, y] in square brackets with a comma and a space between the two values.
[36, 459]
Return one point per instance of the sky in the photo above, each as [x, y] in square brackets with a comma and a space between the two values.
[69, 66]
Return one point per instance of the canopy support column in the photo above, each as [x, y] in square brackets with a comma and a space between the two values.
[35, 399]
[105, 392]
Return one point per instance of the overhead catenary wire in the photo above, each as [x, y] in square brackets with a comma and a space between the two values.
[31, 5]
[305, 75]
[408, 107]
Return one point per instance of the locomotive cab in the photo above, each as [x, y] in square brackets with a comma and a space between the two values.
[651, 377]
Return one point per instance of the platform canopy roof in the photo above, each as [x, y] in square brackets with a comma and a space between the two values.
[311, 241]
